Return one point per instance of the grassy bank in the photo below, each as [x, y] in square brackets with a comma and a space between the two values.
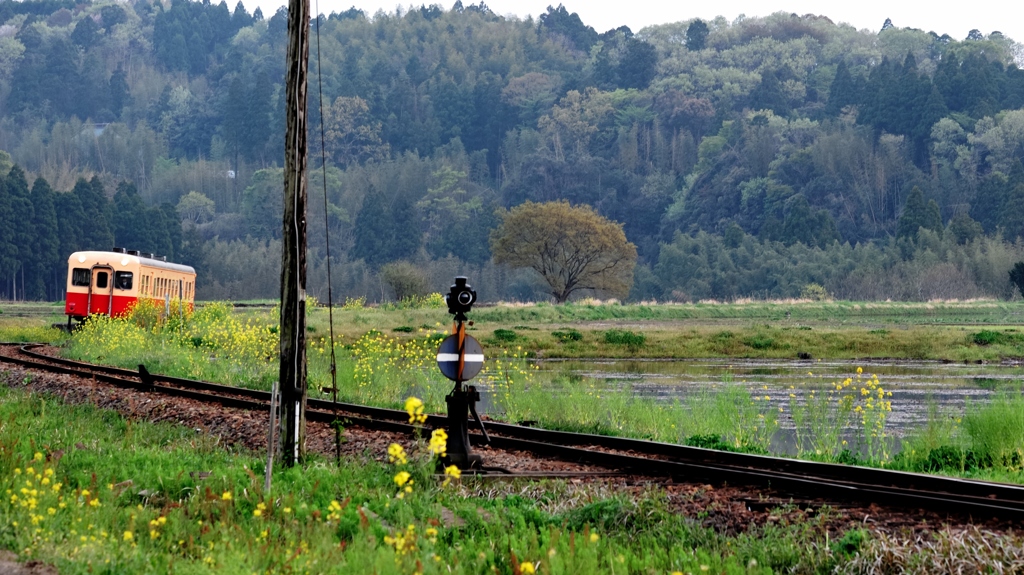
[91, 492]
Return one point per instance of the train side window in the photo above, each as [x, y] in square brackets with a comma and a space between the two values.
[123, 280]
[80, 277]
[101, 280]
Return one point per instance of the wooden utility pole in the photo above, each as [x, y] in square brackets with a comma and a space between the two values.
[293, 263]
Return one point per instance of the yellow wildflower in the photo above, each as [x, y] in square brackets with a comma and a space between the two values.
[438, 442]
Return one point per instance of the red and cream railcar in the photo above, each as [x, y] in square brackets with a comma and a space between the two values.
[110, 283]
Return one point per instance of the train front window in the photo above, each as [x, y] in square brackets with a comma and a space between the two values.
[123, 280]
[80, 277]
[101, 280]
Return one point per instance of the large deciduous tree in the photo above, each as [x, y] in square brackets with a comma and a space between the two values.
[572, 248]
[352, 135]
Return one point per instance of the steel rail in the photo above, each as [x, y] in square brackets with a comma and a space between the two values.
[792, 484]
[641, 457]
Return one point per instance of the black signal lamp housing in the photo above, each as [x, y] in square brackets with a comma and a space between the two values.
[460, 297]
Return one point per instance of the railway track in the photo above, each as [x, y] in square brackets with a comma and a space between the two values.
[800, 479]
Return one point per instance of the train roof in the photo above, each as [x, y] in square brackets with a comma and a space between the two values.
[125, 259]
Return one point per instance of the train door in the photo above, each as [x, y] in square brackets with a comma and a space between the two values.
[101, 290]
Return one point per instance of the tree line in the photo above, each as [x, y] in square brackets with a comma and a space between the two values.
[787, 129]
[41, 227]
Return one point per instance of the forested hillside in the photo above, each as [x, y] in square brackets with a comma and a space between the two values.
[752, 158]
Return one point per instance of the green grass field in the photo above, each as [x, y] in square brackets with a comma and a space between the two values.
[840, 330]
[849, 330]
[386, 355]
[91, 492]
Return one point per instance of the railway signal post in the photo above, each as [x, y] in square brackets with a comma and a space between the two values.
[460, 359]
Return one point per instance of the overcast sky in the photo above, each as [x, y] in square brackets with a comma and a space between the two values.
[941, 16]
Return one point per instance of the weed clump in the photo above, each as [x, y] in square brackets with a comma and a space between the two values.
[989, 337]
[567, 335]
[715, 441]
[850, 543]
[505, 335]
[951, 458]
[630, 339]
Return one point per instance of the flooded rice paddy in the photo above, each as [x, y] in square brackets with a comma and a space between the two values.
[917, 386]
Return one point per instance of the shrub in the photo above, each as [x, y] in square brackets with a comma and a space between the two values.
[989, 337]
[630, 339]
[814, 292]
[405, 279]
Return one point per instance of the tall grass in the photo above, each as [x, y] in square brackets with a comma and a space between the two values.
[996, 431]
[572, 403]
[985, 441]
